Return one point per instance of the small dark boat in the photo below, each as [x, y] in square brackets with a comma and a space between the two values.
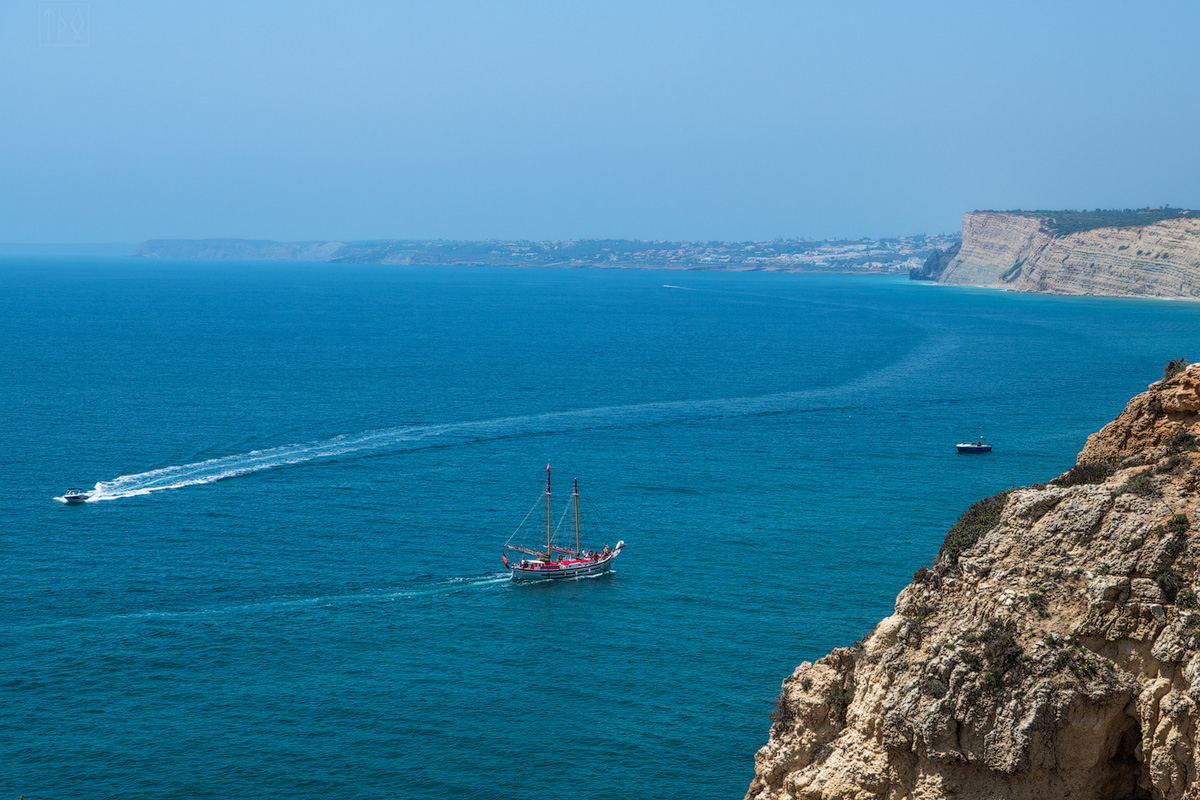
[974, 447]
[76, 496]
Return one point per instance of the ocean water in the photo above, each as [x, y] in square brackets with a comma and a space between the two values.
[292, 586]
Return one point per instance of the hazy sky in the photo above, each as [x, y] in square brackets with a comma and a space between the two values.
[121, 121]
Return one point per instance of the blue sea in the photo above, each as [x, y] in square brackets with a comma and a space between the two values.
[293, 587]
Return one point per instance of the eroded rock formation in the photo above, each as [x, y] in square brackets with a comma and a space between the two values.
[1051, 650]
[1023, 254]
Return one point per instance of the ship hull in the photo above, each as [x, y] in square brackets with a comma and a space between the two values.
[563, 570]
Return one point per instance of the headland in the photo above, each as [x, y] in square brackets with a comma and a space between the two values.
[1052, 649]
[1153, 252]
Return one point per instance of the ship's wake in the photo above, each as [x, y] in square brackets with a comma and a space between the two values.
[289, 604]
[413, 437]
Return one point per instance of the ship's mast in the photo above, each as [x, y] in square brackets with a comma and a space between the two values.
[576, 495]
[549, 552]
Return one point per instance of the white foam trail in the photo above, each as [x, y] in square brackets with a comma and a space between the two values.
[452, 586]
[413, 437]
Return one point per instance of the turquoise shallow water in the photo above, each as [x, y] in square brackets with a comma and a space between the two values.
[319, 608]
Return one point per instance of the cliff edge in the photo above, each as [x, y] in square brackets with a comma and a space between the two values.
[1050, 651]
[1029, 253]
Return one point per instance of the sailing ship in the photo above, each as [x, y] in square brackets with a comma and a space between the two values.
[558, 562]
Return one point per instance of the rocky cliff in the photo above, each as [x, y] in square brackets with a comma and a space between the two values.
[1026, 254]
[1050, 651]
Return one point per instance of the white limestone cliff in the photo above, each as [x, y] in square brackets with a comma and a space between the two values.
[1023, 254]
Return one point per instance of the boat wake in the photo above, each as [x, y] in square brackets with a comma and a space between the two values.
[447, 587]
[413, 437]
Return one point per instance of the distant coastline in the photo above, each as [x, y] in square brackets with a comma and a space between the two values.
[898, 255]
[102, 249]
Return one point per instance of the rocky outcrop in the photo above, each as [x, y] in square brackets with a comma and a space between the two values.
[1148, 422]
[935, 263]
[1050, 651]
[1023, 253]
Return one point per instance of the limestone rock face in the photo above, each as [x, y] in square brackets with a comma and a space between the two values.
[991, 245]
[1150, 419]
[1056, 655]
[1020, 253]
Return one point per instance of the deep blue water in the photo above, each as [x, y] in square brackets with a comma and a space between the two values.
[332, 618]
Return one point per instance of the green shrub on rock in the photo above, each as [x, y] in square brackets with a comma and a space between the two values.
[1141, 484]
[1171, 463]
[978, 520]
[1087, 472]
[840, 700]
[782, 714]
[1181, 441]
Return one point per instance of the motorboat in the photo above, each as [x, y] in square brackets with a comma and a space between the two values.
[76, 496]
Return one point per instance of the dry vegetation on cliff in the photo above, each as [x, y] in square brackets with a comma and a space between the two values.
[1052, 649]
[1061, 223]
